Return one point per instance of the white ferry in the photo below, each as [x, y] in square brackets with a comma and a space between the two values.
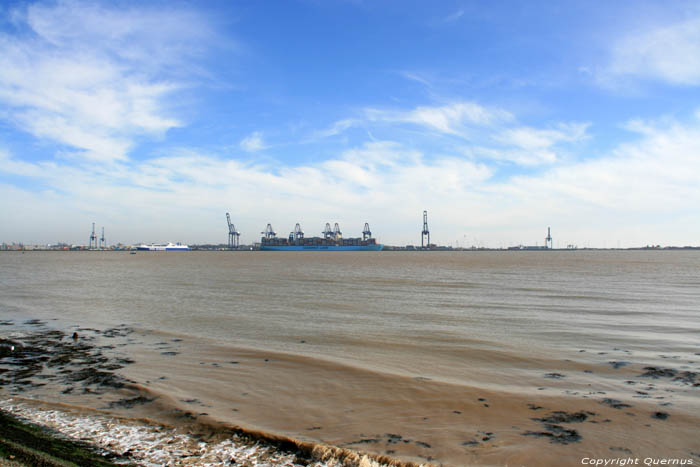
[163, 247]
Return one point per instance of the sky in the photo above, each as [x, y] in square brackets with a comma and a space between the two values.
[154, 119]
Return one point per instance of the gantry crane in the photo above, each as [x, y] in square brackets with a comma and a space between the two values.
[337, 234]
[269, 232]
[298, 233]
[233, 234]
[327, 232]
[425, 233]
[366, 233]
[93, 238]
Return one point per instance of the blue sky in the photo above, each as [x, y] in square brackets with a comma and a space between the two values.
[153, 119]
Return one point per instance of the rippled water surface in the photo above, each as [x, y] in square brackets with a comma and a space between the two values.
[348, 348]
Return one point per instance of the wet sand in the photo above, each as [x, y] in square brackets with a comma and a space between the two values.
[121, 419]
[557, 418]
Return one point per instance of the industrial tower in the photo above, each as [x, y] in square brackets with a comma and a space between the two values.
[548, 239]
[327, 232]
[269, 232]
[233, 234]
[366, 233]
[425, 233]
[337, 234]
[298, 234]
[93, 238]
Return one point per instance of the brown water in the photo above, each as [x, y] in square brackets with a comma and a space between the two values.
[443, 356]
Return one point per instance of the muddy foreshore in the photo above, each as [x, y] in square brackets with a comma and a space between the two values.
[81, 365]
[71, 382]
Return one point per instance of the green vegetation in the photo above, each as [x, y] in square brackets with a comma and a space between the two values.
[23, 444]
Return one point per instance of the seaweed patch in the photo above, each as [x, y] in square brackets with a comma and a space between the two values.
[49, 355]
[557, 434]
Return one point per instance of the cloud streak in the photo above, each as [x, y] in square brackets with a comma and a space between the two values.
[253, 142]
[530, 146]
[94, 78]
[483, 132]
[388, 184]
[669, 53]
[452, 119]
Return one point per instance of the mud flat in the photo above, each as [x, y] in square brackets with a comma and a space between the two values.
[39, 363]
[152, 399]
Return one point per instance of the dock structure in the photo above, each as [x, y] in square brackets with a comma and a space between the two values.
[331, 240]
[327, 232]
[269, 232]
[93, 238]
[233, 234]
[298, 234]
[366, 233]
[425, 233]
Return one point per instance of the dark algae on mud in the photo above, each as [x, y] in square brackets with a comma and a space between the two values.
[33, 359]
[44, 355]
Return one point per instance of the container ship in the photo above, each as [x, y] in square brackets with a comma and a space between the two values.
[332, 240]
[163, 247]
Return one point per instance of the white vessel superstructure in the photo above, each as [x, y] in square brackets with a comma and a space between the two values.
[163, 247]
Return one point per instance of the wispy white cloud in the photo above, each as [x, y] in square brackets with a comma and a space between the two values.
[534, 138]
[253, 142]
[454, 16]
[92, 77]
[337, 128]
[533, 146]
[454, 118]
[389, 184]
[417, 77]
[149, 35]
[362, 184]
[669, 53]
[486, 132]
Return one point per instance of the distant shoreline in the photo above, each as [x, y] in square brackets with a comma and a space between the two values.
[386, 248]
